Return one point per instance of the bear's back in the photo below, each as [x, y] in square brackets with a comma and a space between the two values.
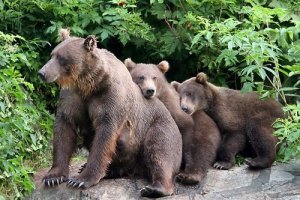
[247, 106]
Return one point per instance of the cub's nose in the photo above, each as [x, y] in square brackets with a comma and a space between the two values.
[42, 75]
[150, 92]
[185, 108]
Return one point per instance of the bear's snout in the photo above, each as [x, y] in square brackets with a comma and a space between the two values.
[149, 93]
[42, 75]
[185, 109]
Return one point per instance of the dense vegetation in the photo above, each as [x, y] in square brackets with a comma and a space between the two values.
[242, 44]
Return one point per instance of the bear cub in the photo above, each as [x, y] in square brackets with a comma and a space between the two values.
[200, 134]
[243, 119]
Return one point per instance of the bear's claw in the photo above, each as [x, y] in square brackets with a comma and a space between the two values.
[151, 192]
[248, 161]
[190, 179]
[218, 166]
[222, 165]
[75, 183]
[50, 182]
[82, 167]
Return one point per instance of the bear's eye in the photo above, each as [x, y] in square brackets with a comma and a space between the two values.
[62, 61]
[154, 78]
[141, 78]
[188, 94]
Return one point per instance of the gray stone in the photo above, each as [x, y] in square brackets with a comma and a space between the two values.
[280, 182]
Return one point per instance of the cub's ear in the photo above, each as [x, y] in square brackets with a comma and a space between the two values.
[201, 78]
[90, 43]
[163, 66]
[64, 33]
[175, 85]
[129, 64]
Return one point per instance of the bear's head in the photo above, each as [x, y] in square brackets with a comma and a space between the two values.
[69, 60]
[148, 77]
[194, 93]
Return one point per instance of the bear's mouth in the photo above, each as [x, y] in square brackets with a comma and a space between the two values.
[149, 96]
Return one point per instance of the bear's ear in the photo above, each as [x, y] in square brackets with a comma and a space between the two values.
[90, 43]
[175, 85]
[201, 78]
[129, 64]
[163, 66]
[64, 33]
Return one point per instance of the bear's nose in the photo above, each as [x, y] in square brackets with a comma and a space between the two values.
[42, 75]
[185, 108]
[150, 92]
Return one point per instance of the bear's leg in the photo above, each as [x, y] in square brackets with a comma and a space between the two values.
[195, 170]
[162, 158]
[264, 144]
[63, 146]
[199, 154]
[231, 144]
[100, 156]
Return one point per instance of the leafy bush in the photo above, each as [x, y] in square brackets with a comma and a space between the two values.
[288, 132]
[25, 127]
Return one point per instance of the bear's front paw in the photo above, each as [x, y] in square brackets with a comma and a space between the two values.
[55, 176]
[222, 165]
[189, 179]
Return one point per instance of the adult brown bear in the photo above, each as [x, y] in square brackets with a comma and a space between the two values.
[200, 134]
[98, 93]
[242, 118]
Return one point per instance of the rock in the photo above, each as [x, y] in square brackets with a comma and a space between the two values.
[280, 182]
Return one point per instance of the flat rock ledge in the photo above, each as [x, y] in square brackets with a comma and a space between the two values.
[281, 181]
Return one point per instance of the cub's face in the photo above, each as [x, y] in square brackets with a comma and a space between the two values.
[148, 77]
[193, 95]
[66, 62]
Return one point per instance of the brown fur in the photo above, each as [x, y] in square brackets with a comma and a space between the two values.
[242, 118]
[199, 143]
[99, 101]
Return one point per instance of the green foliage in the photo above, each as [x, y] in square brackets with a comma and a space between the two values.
[25, 127]
[288, 132]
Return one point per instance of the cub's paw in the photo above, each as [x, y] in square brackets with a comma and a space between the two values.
[156, 190]
[152, 192]
[222, 165]
[52, 180]
[189, 179]
[257, 163]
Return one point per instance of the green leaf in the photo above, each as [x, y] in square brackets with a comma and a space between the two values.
[262, 73]
[196, 39]
[247, 87]
[104, 35]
